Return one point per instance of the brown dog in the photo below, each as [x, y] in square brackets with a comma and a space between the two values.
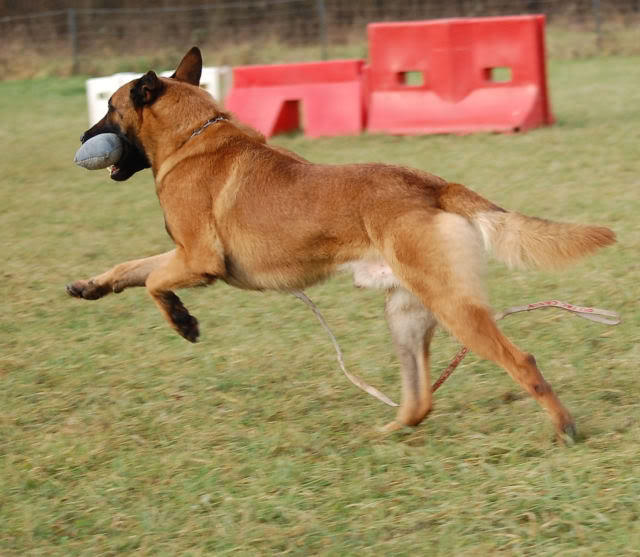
[260, 217]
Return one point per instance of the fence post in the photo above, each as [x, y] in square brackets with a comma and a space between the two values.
[73, 37]
[321, 8]
[595, 6]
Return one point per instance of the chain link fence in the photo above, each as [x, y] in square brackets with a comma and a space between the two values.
[98, 40]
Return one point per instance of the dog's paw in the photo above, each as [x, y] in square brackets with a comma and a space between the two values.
[187, 326]
[392, 426]
[185, 323]
[87, 290]
[568, 435]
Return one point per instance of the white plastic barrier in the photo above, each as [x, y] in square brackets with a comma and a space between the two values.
[100, 89]
[215, 80]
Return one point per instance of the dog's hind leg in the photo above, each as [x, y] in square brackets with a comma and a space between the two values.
[473, 325]
[412, 328]
[438, 259]
[177, 273]
[124, 275]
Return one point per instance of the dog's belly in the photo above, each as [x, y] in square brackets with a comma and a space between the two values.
[283, 276]
[367, 273]
[371, 273]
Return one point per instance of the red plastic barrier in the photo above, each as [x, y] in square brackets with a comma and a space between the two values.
[267, 97]
[457, 58]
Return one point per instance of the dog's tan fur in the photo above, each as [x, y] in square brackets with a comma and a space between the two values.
[259, 217]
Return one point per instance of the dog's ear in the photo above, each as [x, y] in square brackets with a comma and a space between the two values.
[146, 89]
[190, 68]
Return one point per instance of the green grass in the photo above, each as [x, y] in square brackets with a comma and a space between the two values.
[119, 438]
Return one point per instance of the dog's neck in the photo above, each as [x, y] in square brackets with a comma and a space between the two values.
[170, 161]
[207, 124]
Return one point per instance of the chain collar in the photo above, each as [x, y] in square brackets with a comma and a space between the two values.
[207, 124]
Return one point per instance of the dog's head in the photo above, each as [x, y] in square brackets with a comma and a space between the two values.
[129, 109]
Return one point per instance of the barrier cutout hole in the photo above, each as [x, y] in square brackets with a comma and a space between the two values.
[412, 78]
[289, 117]
[498, 75]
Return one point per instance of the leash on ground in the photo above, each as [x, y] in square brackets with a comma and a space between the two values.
[598, 315]
[353, 378]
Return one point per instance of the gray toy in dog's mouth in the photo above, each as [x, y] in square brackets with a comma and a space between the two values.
[101, 151]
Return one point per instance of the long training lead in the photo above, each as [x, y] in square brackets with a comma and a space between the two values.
[353, 378]
[603, 316]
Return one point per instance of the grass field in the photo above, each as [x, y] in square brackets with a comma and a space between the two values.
[117, 437]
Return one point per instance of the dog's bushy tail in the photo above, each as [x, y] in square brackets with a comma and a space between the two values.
[521, 241]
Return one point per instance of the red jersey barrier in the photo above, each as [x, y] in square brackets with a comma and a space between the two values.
[459, 61]
[268, 97]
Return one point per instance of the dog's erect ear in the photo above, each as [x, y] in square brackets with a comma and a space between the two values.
[190, 68]
[146, 89]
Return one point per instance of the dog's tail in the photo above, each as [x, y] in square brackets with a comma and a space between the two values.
[521, 241]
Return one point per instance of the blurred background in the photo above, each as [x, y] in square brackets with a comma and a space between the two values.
[48, 37]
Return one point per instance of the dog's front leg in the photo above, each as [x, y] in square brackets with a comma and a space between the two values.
[116, 279]
[180, 272]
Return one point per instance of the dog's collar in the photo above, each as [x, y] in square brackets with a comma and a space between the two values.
[208, 123]
[172, 160]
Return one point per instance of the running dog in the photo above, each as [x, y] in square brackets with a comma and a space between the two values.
[262, 218]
